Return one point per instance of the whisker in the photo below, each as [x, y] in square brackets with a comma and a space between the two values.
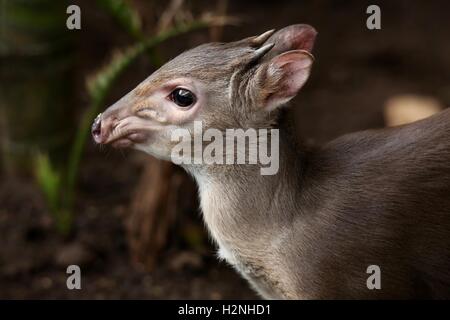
[108, 152]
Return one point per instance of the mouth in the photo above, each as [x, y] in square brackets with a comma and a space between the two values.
[127, 140]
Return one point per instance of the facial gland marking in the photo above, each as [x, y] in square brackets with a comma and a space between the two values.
[152, 114]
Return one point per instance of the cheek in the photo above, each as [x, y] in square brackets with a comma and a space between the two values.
[158, 144]
[179, 116]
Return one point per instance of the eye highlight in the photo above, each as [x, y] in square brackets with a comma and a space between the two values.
[182, 97]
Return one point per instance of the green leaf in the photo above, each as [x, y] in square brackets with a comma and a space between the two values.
[99, 84]
[48, 179]
[64, 220]
[125, 14]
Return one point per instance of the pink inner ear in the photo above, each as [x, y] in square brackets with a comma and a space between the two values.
[299, 59]
[295, 37]
[301, 40]
[292, 69]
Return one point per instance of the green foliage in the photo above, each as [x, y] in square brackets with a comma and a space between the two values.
[125, 14]
[31, 27]
[100, 83]
[49, 180]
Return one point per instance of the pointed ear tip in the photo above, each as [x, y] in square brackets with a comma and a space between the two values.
[314, 32]
[306, 29]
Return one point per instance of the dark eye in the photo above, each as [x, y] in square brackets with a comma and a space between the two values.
[182, 97]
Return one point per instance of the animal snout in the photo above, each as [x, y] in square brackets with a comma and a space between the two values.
[102, 127]
[96, 129]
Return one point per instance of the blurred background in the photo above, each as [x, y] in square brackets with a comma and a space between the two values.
[129, 221]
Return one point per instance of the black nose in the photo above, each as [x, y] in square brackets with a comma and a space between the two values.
[96, 128]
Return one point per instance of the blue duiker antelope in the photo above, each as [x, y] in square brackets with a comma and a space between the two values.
[310, 231]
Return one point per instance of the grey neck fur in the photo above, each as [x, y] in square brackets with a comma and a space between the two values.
[247, 212]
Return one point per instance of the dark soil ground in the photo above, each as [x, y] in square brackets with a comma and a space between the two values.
[356, 71]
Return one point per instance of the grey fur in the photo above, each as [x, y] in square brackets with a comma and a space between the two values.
[374, 197]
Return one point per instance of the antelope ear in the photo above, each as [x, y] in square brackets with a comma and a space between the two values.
[282, 77]
[294, 37]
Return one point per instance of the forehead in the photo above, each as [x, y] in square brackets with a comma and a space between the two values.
[207, 62]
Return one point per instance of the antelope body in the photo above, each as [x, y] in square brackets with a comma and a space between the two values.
[310, 231]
